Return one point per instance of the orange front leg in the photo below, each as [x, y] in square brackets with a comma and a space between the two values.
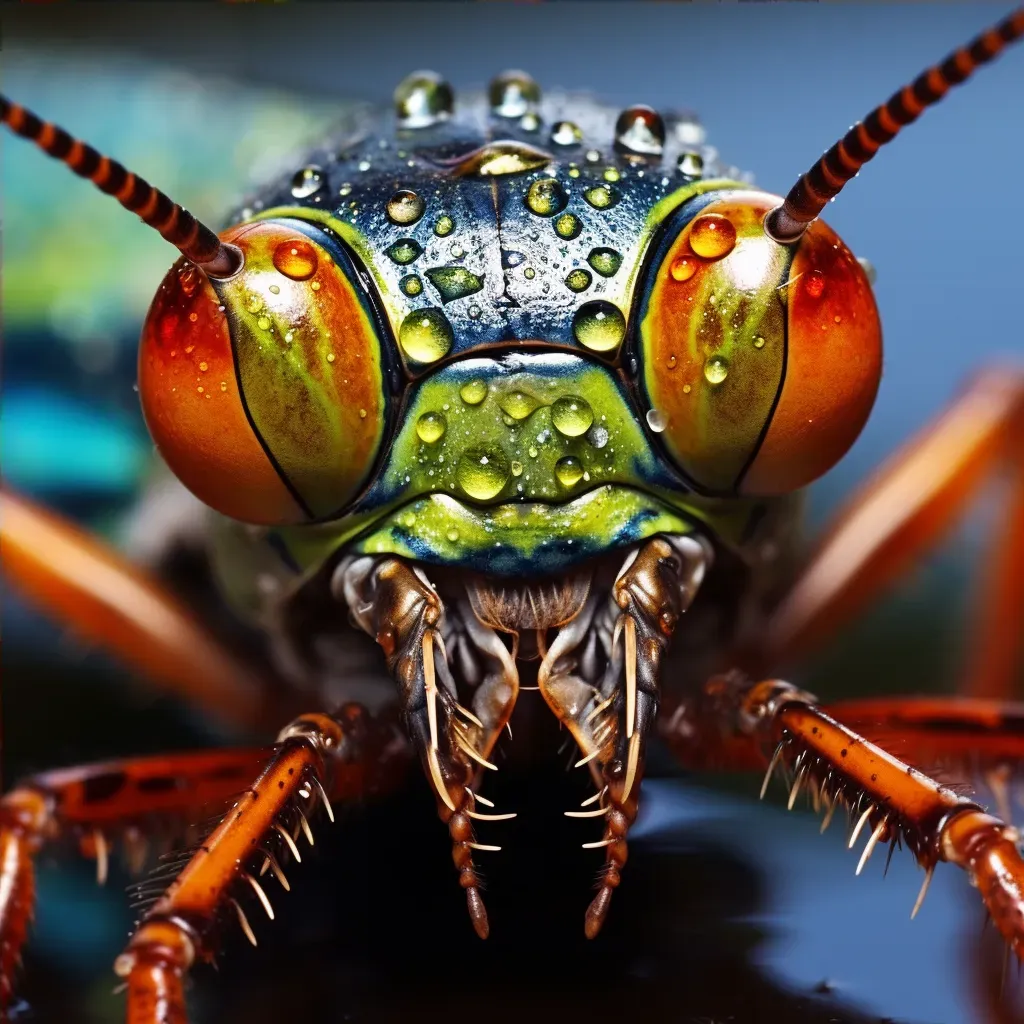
[95, 807]
[102, 805]
[887, 799]
[346, 756]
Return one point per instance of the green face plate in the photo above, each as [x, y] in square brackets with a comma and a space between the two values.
[505, 257]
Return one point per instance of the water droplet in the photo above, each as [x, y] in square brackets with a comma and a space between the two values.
[223, 385]
[712, 236]
[529, 122]
[568, 225]
[473, 392]
[691, 164]
[572, 416]
[578, 280]
[513, 94]
[193, 317]
[598, 436]
[687, 389]
[613, 174]
[656, 420]
[605, 261]
[204, 367]
[254, 303]
[529, 273]
[364, 165]
[362, 414]
[423, 99]
[454, 282]
[430, 427]
[517, 468]
[295, 258]
[263, 324]
[869, 269]
[574, 171]
[599, 326]
[331, 357]
[640, 129]
[683, 268]
[546, 197]
[758, 341]
[474, 312]
[566, 133]
[187, 278]
[200, 390]
[716, 369]
[405, 207]
[306, 182]
[404, 251]
[814, 283]
[426, 335]
[483, 472]
[453, 535]
[275, 290]
[444, 225]
[315, 285]
[601, 197]
[411, 285]
[568, 471]
[346, 189]
[457, 251]
[532, 452]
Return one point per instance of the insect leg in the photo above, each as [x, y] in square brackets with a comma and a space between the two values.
[343, 755]
[107, 600]
[392, 602]
[611, 724]
[977, 742]
[101, 807]
[900, 514]
[887, 797]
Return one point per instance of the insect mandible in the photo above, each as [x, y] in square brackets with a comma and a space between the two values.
[502, 464]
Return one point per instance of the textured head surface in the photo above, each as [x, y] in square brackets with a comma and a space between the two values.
[508, 214]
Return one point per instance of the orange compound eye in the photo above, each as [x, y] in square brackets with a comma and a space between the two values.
[760, 361]
[712, 336]
[833, 366]
[264, 392]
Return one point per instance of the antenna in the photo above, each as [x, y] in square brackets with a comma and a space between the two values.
[191, 237]
[825, 180]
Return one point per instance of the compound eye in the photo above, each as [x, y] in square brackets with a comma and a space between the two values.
[712, 337]
[833, 366]
[264, 392]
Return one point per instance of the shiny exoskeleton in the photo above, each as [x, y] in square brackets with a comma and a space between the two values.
[525, 390]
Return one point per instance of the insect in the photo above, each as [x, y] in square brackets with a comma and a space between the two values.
[333, 457]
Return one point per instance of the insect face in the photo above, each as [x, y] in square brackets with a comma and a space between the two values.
[760, 359]
[499, 411]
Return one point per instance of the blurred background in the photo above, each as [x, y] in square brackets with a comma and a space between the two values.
[731, 910]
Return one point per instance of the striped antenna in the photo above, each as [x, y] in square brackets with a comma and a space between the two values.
[825, 180]
[193, 238]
